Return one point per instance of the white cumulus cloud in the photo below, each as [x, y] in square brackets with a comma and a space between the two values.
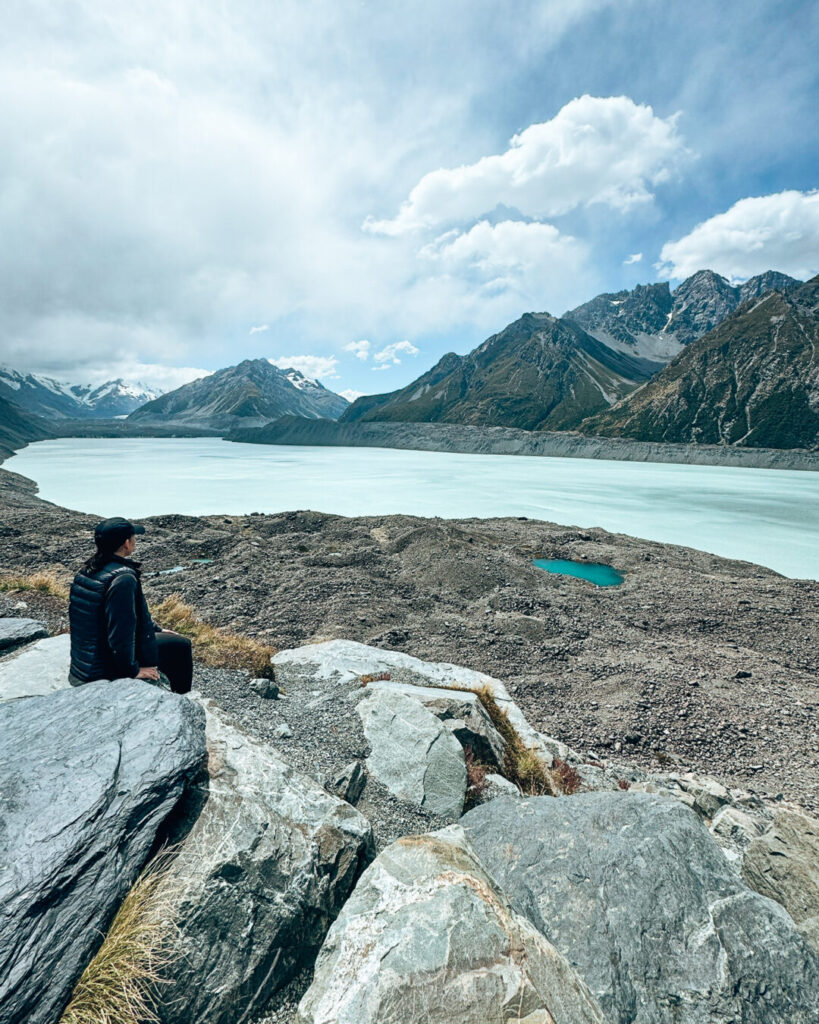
[360, 349]
[521, 264]
[351, 394]
[259, 329]
[317, 367]
[607, 150]
[390, 353]
[774, 232]
[635, 257]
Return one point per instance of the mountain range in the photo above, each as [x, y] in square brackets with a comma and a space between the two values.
[753, 381]
[707, 362]
[250, 394]
[54, 399]
[549, 373]
[539, 373]
[17, 428]
[654, 322]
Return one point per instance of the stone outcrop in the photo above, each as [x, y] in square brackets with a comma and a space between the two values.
[260, 876]
[784, 864]
[426, 938]
[36, 670]
[87, 776]
[413, 754]
[336, 664]
[632, 889]
[19, 631]
[462, 713]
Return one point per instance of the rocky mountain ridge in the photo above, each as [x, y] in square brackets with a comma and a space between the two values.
[539, 373]
[653, 322]
[53, 399]
[18, 428]
[548, 373]
[752, 381]
[252, 393]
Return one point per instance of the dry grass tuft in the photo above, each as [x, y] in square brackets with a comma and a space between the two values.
[522, 765]
[41, 582]
[119, 984]
[476, 773]
[216, 647]
[568, 777]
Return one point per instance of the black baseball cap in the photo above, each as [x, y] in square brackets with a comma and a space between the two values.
[112, 533]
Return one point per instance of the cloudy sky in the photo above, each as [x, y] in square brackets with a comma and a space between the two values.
[356, 188]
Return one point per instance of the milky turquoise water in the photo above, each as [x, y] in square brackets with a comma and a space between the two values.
[595, 572]
[766, 516]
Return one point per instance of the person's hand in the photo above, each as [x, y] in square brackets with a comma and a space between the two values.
[151, 673]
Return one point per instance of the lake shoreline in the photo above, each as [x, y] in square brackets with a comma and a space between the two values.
[466, 439]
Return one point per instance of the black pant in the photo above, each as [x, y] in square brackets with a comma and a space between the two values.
[175, 660]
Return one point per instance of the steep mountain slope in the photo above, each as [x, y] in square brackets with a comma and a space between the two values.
[18, 428]
[250, 394]
[54, 399]
[538, 373]
[753, 380]
[653, 322]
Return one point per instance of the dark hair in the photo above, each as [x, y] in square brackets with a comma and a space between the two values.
[100, 558]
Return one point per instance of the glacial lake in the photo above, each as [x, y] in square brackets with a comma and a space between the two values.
[766, 516]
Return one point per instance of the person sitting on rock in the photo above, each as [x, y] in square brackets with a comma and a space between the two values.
[112, 633]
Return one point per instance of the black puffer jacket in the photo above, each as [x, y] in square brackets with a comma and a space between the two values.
[112, 634]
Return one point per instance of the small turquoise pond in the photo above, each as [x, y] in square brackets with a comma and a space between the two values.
[595, 572]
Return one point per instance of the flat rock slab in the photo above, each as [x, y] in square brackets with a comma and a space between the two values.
[413, 754]
[36, 670]
[14, 632]
[784, 865]
[341, 664]
[258, 881]
[427, 938]
[636, 894]
[87, 776]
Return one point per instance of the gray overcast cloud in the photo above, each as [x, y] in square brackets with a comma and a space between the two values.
[174, 175]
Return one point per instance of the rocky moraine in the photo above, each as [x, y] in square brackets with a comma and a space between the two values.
[694, 662]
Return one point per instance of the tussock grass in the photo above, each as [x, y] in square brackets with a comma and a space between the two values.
[216, 647]
[522, 764]
[119, 985]
[41, 582]
[476, 773]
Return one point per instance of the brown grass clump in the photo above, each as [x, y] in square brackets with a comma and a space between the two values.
[522, 765]
[118, 985]
[475, 778]
[567, 777]
[41, 582]
[216, 647]
[374, 677]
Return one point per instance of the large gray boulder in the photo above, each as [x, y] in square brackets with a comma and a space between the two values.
[36, 670]
[87, 776]
[636, 894]
[413, 754]
[784, 864]
[259, 878]
[19, 631]
[426, 938]
[463, 714]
